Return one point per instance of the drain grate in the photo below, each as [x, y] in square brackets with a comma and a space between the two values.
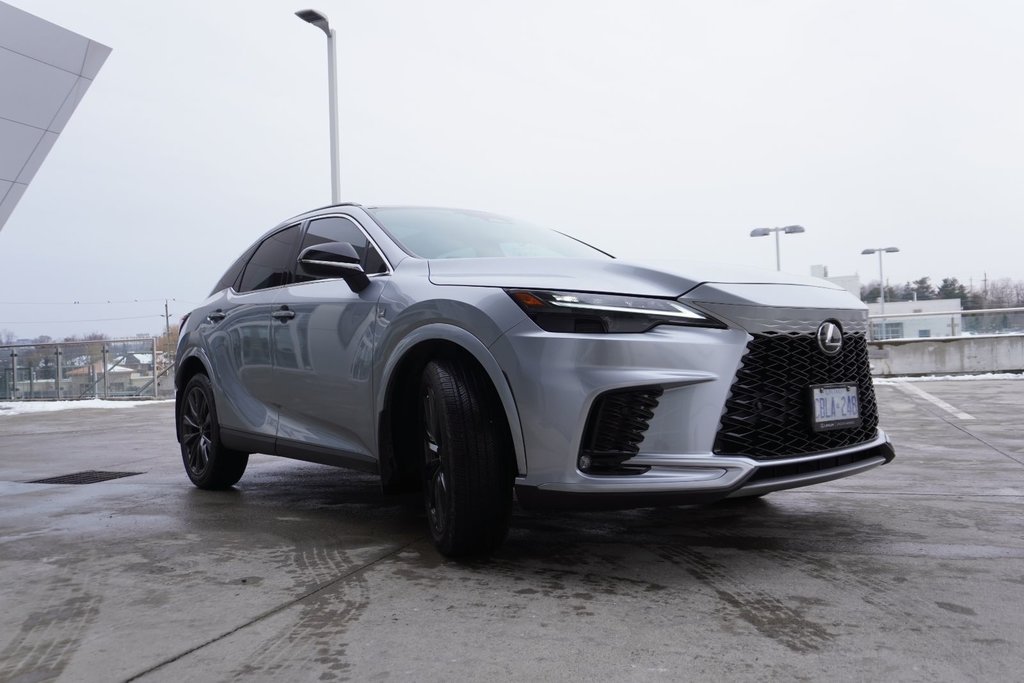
[87, 477]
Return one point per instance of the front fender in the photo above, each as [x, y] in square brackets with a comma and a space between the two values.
[468, 342]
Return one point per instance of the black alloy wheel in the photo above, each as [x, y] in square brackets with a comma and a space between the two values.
[207, 462]
[468, 463]
[437, 497]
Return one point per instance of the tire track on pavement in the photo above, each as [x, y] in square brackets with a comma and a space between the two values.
[309, 595]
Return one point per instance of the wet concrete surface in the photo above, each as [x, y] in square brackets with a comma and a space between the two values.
[914, 571]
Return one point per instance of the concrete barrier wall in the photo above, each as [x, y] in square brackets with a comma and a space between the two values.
[947, 355]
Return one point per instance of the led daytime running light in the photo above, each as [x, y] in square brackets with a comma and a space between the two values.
[675, 312]
[590, 312]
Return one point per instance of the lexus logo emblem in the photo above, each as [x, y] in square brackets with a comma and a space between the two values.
[830, 338]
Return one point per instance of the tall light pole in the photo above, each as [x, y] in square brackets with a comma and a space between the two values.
[881, 281]
[764, 232]
[319, 19]
[881, 273]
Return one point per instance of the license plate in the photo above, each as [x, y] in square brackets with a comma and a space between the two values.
[834, 406]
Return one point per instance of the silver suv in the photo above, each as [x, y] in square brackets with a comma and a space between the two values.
[480, 359]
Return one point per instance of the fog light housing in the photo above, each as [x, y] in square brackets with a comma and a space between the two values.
[585, 463]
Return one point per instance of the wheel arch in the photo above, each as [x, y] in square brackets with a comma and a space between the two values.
[187, 368]
[401, 374]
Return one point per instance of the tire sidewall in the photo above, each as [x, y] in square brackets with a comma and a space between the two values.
[479, 474]
[217, 451]
[443, 537]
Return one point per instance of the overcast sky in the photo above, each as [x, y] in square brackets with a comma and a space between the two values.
[649, 129]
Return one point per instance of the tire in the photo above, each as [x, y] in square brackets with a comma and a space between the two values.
[467, 460]
[207, 462]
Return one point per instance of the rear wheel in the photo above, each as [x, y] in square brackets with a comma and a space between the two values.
[467, 462]
[207, 462]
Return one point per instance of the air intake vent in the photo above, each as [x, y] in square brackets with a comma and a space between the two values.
[767, 414]
[615, 428]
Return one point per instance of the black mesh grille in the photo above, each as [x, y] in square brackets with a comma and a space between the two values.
[768, 414]
[617, 424]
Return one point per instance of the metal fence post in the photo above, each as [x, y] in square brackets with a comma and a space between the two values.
[156, 389]
[59, 374]
[105, 366]
[13, 389]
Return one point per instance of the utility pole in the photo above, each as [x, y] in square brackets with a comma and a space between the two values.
[167, 332]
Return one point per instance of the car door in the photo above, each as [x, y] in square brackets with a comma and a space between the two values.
[322, 345]
[239, 342]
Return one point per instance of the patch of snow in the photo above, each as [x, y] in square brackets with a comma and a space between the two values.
[23, 407]
[948, 378]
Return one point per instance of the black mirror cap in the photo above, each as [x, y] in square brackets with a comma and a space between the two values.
[334, 259]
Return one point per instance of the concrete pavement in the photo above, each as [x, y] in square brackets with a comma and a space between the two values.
[914, 571]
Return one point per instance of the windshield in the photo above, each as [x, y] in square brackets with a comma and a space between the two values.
[456, 233]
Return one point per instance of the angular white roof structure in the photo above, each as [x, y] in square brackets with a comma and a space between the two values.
[44, 72]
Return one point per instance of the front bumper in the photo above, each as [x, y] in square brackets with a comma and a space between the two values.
[687, 480]
[556, 379]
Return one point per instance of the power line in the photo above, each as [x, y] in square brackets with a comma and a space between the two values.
[88, 320]
[90, 303]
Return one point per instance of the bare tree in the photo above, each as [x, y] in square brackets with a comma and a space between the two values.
[1001, 293]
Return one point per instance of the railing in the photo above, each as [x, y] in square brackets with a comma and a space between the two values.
[930, 324]
[108, 369]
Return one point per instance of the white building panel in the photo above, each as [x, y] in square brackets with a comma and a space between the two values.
[32, 91]
[42, 148]
[45, 71]
[17, 142]
[33, 37]
[10, 199]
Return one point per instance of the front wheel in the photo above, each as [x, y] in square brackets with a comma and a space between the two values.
[207, 462]
[467, 460]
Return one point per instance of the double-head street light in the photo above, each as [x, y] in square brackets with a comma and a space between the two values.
[764, 232]
[319, 19]
[881, 273]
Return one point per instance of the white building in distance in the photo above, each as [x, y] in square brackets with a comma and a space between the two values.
[916, 326]
[851, 283]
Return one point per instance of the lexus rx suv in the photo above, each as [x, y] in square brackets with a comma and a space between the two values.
[481, 360]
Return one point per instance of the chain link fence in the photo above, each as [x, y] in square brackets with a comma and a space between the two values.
[68, 371]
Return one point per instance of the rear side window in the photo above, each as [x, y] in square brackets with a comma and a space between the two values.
[230, 278]
[337, 229]
[271, 263]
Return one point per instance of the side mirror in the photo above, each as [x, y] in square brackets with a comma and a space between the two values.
[334, 259]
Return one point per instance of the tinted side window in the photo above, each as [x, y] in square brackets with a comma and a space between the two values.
[335, 229]
[230, 278]
[270, 265]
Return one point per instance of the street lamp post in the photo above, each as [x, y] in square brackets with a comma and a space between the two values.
[764, 232]
[881, 278]
[319, 19]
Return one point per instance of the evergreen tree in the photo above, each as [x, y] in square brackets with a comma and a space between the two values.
[923, 289]
[951, 288]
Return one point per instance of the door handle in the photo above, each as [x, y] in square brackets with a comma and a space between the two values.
[284, 314]
[216, 316]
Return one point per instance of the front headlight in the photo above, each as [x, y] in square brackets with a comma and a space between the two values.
[589, 313]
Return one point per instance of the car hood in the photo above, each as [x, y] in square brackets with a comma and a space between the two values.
[656, 278]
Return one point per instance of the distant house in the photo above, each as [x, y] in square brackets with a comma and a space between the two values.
[89, 379]
[140, 362]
